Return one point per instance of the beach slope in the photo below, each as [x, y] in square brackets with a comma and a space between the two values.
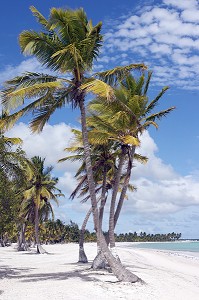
[57, 275]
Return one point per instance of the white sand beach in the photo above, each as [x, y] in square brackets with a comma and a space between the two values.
[57, 275]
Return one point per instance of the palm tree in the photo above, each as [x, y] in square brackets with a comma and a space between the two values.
[12, 174]
[69, 43]
[123, 121]
[27, 216]
[41, 189]
[104, 166]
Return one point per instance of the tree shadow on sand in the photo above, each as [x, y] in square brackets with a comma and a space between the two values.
[84, 275]
[8, 272]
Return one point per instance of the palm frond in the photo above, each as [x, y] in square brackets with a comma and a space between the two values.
[147, 82]
[160, 114]
[153, 103]
[40, 18]
[113, 76]
[99, 88]
[54, 101]
[141, 158]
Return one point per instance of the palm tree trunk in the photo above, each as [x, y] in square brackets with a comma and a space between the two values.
[40, 249]
[118, 269]
[114, 196]
[82, 254]
[99, 261]
[22, 245]
[125, 186]
[103, 197]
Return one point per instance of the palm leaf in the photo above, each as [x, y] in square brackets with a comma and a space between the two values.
[99, 88]
[153, 103]
[160, 114]
[147, 82]
[39, 17]
[112, 76]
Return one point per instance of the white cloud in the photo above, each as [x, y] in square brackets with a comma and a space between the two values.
[190, 4]
[10, 71]
[50, 143]
[166, 35]
[190, 15]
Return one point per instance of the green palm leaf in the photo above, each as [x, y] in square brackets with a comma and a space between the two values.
[112, 76]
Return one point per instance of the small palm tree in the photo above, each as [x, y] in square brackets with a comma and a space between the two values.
[41, 188]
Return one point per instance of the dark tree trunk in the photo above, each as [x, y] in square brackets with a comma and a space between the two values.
[2, 241]
[118, 269]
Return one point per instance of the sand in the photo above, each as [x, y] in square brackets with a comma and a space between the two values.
[57, 275]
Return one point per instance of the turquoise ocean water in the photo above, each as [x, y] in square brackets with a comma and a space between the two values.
[185, 246]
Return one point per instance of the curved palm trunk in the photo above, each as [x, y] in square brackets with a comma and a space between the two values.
[118, 269]
[99, 260]
[82, 254]
[113, 199]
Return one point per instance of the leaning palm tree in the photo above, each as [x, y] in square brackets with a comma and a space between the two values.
[124, 121]
[40, 189]
[69, 43]
[104, 159]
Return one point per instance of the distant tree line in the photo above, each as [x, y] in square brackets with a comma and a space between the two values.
[143, 237]
[52, 232]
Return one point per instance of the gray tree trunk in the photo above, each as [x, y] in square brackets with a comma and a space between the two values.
[100, 262]
[118, 269]
[114, 196]
[22, 245]
[40, 249]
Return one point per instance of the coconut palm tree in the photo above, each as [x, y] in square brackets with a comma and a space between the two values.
[27, 216]
[124, 121]
[40, 189]
[12, 162]
[104, 166]
[69, 43]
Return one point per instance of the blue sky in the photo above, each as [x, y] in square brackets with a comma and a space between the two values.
[165, 36]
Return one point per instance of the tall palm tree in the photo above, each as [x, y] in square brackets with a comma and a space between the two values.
[41, 188]
[123, 121]
[69, 43]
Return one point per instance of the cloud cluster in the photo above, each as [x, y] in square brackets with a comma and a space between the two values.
[50, 143]
[160, 190]
[166, 38]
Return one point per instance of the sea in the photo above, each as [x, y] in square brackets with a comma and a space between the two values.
[189, 247]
